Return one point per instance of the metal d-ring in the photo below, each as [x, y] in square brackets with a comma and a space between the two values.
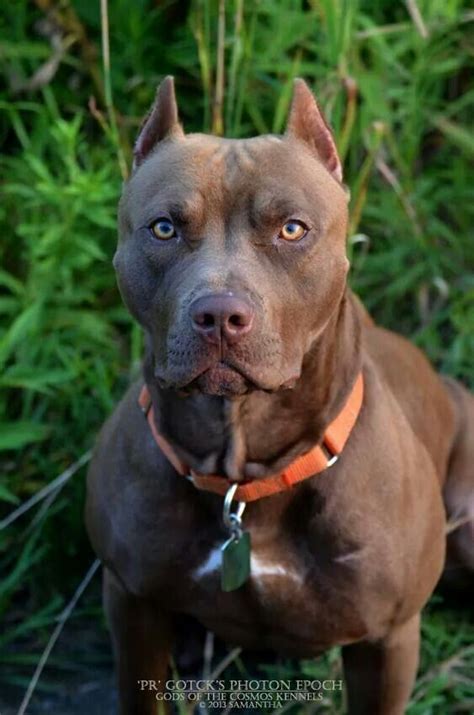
[330, 455]
[233, 519]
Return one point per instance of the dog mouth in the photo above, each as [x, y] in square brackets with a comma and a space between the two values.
[217, 378]
[226, 380]
[226, 377]
[223, 380]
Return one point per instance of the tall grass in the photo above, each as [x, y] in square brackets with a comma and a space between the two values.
[393, 80]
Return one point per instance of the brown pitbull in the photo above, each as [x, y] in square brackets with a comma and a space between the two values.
[232, 256]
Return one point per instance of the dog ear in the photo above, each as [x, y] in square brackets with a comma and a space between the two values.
[161, 122]
[306, 122]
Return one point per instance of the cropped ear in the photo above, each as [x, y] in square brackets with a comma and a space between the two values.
[161, 122]
[306, 122]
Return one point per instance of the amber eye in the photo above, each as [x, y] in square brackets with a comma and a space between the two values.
[163, 229]
[293, 231]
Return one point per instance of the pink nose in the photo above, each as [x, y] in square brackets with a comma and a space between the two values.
[222, 316]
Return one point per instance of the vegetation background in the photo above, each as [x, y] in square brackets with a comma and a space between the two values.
[393, 78]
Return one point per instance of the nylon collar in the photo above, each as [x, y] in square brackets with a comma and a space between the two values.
[318, 459]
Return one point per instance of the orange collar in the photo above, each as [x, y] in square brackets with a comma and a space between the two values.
[305, 466]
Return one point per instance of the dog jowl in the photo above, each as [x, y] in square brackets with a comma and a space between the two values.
[265, 375]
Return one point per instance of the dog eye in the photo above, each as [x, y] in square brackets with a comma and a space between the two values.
[293, 231]
[163, 229]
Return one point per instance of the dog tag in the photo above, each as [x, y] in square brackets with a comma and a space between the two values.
[235, 567]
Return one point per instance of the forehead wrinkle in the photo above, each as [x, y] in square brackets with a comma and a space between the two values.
[238, 159]
[222, 175]
[182, 204]
[266, 205]
[243, 156]
[210, 172]
[190, 209]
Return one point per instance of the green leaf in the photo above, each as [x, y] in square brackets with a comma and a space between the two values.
[32, 378]
[458, 135]
[7, 495]
[15, 435]
[20, 330]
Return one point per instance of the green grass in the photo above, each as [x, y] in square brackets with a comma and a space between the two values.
[398, 96]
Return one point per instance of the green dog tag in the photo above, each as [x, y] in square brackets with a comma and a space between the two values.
[235, 568]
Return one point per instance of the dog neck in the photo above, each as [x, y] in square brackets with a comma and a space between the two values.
[260, 433]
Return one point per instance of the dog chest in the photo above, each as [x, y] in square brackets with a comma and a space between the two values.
[288, 603]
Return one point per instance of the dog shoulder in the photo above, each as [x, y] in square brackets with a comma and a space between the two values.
[126, 462]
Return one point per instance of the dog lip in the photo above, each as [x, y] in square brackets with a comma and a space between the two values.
[260, 384]
[254, 382]
[247, 383]
[223, 380]
[190, 384]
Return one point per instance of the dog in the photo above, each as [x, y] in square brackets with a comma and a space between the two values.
[267, 387]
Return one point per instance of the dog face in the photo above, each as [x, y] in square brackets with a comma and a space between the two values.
[232, 252]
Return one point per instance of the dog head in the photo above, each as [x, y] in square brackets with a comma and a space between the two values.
[232, 253]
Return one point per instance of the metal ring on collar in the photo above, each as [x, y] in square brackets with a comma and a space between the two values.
[232, 518]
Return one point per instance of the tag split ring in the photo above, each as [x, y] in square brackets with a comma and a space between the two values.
[232, 519]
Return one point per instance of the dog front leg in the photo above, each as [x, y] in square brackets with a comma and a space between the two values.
[380, 676]
[142, 639]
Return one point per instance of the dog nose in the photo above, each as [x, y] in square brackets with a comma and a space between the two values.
[222, 316]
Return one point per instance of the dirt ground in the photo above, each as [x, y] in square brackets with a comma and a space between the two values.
[78, 678]
[94, 695]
